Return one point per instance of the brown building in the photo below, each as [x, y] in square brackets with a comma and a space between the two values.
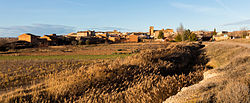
[29, 38]
[151, 30]
[114, 39]
[52, 39]
[82, 34]
[115, 32]
[166, 32]
[33, 39]
[133, 38]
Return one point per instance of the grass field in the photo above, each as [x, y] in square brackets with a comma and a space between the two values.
[152, 75]
[59, 57]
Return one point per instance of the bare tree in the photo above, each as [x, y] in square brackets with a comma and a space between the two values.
[180, 31]
[244, 32]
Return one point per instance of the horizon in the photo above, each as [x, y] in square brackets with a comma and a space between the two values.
[66, 16]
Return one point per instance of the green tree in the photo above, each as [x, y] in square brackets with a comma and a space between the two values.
[161, 35]
[214, 33]
[178, 38]
[87, 42]
[193, 37]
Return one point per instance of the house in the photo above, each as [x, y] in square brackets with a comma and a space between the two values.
[86, 33]
[82, 34]
[204, 35]
[33, 39]
[28, 37]
[52, 39]
[102, 35]
[222, 33]
[220, 38]
[133, 38]
[115, 32]
[114, 39]
[247, 37]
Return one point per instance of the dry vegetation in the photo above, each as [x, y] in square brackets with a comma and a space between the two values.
[229, 82]
[234, 83]
[94, 49]
[241, 40]
[149, 76]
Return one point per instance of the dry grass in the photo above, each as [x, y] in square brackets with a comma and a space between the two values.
[233, 81]
[150, 76]
[100, 49]
[241, 40]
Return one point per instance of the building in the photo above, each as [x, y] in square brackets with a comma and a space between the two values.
[52, 39]
[220, 38]
[29, 38]
[167, 33]
[114, 39]
[115, 32]
[82, 34]
[151, 31]
[204, 35]
[33, 39]
[133, 38]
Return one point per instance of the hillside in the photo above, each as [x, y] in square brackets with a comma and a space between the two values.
[228, 82]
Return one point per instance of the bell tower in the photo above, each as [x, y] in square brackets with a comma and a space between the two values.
[151, 30]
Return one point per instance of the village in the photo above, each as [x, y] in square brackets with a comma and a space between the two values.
[109, 37]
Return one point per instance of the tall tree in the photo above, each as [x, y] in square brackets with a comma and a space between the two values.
[214, 33]
[161, 35]
[244, 32]
[181, 30]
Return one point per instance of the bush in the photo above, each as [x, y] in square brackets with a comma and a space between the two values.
[161, 35]
[178, 38]
[119, 50]
[187, 35]
[74, 42]
[87, 42]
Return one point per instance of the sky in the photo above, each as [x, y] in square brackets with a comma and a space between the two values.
[42, 17]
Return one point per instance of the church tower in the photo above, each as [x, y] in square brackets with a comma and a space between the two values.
[151, 30]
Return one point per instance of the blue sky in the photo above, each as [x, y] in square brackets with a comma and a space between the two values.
[64, 16]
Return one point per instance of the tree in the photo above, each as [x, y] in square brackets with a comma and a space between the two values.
[181, 31]
[187, 35]
[178, 38]
[161, 35]
[214, 33]
[244, 32]
[190, 36]
[193, 37]
[87, 42]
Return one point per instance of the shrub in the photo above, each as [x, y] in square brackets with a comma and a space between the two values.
[178, 38]
[87, 42]
[187, 35]
[74, 42]
[161, 35]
